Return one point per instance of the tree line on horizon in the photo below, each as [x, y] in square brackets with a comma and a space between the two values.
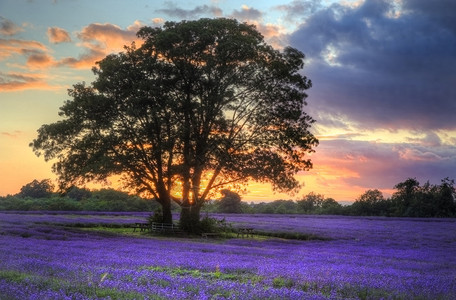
[411, 199]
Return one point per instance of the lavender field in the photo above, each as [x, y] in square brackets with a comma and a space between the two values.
[51, 256]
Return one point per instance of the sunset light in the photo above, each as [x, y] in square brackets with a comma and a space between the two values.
[382, 98]
[242, 150]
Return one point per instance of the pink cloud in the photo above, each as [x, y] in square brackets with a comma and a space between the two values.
[9, 47]
[108, 36]
[99, 40]
[14, 135]
[40, 60]
[417, 155]
[344, 169]
[58, 35]
[158, 21]
[431, 139]
[35, 52]
[11, 82]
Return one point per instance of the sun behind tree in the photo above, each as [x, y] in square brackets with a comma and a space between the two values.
[198, 106]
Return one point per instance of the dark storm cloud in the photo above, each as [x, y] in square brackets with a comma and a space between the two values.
[382, 65]
[439, 11]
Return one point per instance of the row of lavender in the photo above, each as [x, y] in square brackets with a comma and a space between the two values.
[367, 258]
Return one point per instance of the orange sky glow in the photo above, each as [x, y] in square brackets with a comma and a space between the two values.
[383, 102]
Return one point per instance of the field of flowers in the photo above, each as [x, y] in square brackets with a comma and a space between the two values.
[52, 256]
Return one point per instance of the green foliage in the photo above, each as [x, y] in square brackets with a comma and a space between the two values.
[112, 200]
[156, 217]
[59, 203]
[37, 189]
[30, 204]
[103, 200]
[290, 235]
[230, 202]
[206, 224]
[410, 200]
[329, 206]
[211, 206]
[413, 200]
[90, 289]
[310, 202]
[317, 204]
[204, 98]
[281, 282]
[78, 193]
[370, 203]
[275, 207]
[232, 275]
[209, 224]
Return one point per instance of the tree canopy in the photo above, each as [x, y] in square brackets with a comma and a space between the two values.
[37, 189]
[230, 202]
[199, 106]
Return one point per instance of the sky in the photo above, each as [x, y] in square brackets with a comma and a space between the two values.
[383, 74]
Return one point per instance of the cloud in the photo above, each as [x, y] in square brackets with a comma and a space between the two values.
[8, 28]
[382, 64]
[58, 35]
[35, 52]
[10, 82]
[9, 47]
[365, 165]
[273, 34]
[431, 139]
[247, 14]
[175, 11]
[13, 135]
[158, 21]
[440, 12]
[300, 9]
[417, 155]
[335, 136]
[107, 36]
[99, 40]
[40, 61]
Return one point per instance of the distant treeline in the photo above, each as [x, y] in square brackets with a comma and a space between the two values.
[39, 195]
[410, 200]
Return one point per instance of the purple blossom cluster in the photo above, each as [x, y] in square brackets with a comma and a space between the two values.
[365, 258]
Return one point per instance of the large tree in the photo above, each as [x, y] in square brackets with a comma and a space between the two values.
[199, 105]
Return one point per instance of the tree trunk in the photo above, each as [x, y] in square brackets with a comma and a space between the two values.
[190, 217]
[167, 215]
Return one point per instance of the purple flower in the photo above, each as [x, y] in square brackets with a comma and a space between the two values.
[369, 258]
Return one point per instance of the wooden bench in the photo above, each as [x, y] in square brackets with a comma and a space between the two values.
[247, 231]
[141, 226]
[209, 234]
